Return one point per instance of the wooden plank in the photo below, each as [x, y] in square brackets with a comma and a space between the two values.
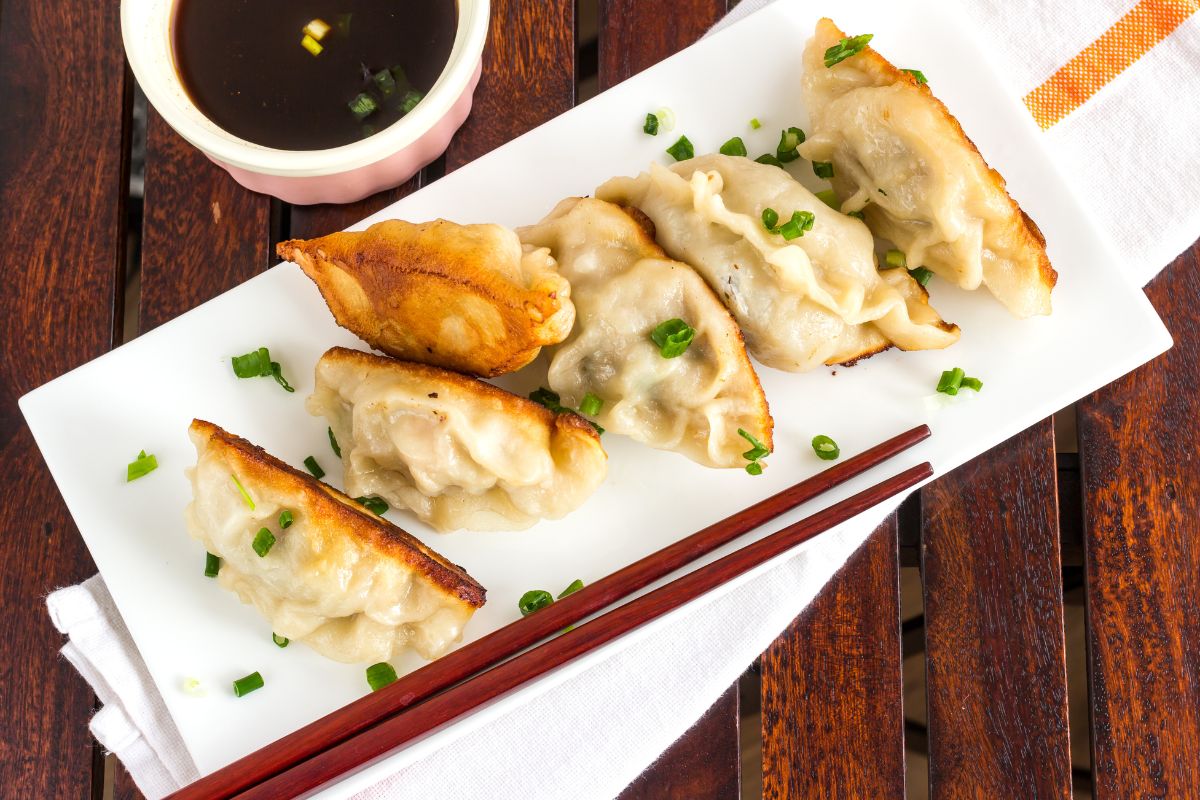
[63, 189]
[202, 233]
[1139, 440]
[528, 76]
[307, 222]
[995, 657]
[704, 764]
[636, 34]
[832, 710]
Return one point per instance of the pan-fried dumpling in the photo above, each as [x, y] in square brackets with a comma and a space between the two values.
[463, 297]
[458, 452]
[816, 299]
[904, 161]
[346, 582]
[623, 287]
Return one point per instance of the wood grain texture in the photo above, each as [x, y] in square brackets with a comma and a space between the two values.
[1139, 440]
[832, 716]
[635, 34]
[309, 222]
[63, 174]
[528, 76]
[704, 764]
[202, 233]
[995, 658]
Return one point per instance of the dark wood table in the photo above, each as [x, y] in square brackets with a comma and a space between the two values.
[991, 538]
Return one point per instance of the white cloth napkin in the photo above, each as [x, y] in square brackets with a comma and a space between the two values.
[598, 731]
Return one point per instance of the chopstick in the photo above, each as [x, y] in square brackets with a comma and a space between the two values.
[390, 734]
[487, 651]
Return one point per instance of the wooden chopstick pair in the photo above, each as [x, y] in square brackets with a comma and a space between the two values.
[378, 723]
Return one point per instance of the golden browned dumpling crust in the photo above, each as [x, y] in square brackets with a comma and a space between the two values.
[463, 297]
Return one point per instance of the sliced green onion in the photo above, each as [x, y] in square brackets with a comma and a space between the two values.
[800, 222]
[916, 73]
[823, 169]
[666, 119]
[573, 587]
[140, 466]
[212, 565]
[734, 147]
[895, 259]
[363, 106]
[651, 125]
[971, 383]
[882, 192]
[850, 46]
[591, 404]
[333, 443]
[384, 81]
[285, 519]
[411, 99]
[921, 275]
[825, 448]
[380, 675]
[400, 76]
[280, 641]
[547, 398]
[242, 489]
[789, 140]
[534, 600]
[858, 215]
[277, 374]
[193, 687]
[264, 540]
[311, 45]
[754, 468]
[828, 198]
[375, 505]
[673, 337]
[757, 449]
[317, 29]
[755, 124]
[312, 466]
[951, 380]
[682, 150]
[770, 218]
[256, 364]
[767, 158]
[248, 684]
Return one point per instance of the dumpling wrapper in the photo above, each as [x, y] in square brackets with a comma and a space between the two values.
[941, 203]
[458, 452]
[463, 297]
[623, 287]
[817, 299]
[346, 582]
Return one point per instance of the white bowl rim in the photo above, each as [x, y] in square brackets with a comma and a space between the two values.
[469, 40]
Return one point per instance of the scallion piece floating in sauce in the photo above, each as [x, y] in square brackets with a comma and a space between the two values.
[850, 46]
[411, 98]
[212, 565]
[140, 466]
[823, 169]
[248, 684]
[682, 150]
[380, 675]
[673, 337]
[825, 448]
[384, 81]
[264, 540]
[591, 404]
[895, 259]
[734, 147]
[312, 466]
[651, 125]
[363, 106]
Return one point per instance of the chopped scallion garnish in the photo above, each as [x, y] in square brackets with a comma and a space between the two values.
[212, 565]
[800, 222]
[951, 380]
[534, 600]
[858, 215]
[280, 641]
[825, 448]
[256, 364]
[789, 140]
[673, 337]
[573, 587]
[380, 675]
[547, 398]
[770, 218]
[666, 119]
[242, 490]
[264, 540]
[895, 259]
[767, 158]
[312, 466]
[248, 684]
[734, 147]
[828, 198]
[277, 374]
[140, 466]
[823, 169]
[682, 150]
[194, 687]
[311, 45]
[411, 99]
[850, 46]
[286, 519]
[591, 404]
[651, 125]
[363, 106]
[333, 443]
[755, 124]
[757, 452]
[921, 275]
[754, 468]
[373, 504]
[971, 383]
[384, 81]
[916, 73]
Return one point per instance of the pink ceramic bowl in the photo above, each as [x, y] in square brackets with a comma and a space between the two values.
[339, 174]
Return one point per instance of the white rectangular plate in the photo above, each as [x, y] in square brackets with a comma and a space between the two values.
[91, 422]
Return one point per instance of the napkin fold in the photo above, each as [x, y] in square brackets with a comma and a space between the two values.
[1113, 84]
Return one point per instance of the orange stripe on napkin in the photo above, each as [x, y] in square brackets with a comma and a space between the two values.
[1146, 24]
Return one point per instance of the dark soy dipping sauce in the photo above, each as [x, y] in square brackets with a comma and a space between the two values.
[244, 67]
